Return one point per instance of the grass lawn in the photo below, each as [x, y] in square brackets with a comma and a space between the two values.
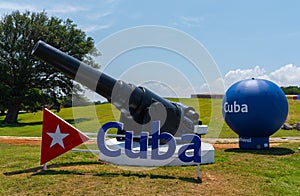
[236, 172]
[90, 119]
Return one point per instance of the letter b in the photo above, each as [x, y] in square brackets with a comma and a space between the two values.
[156, 136]
[237, 107]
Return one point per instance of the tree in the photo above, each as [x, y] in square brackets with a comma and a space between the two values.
[291, 90]
[25, 82]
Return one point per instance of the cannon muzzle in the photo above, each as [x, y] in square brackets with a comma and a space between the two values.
[138, 105]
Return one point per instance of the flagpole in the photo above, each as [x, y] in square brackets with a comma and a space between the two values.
[198, 173]
[45, 167]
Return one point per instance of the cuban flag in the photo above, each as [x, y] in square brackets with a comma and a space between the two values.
[58, 136]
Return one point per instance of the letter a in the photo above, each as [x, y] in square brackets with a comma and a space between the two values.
[196, 146]
[244, 108]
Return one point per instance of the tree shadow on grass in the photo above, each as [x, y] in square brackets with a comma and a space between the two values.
[118, 174]
[151, 176]
[22, 124]
[39, 169]
[77, 120]
[271, 151]
[36, 171]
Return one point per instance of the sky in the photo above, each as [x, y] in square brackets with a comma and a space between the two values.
[245, 39]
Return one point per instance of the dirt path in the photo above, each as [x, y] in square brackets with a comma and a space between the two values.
[20, 140]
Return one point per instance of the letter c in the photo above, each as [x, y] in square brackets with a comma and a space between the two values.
[225, 105]
[101, 139]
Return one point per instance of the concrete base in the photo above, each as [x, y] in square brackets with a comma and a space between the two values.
[207, 155]
[256, 143]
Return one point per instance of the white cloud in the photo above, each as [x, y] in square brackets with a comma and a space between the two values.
[287, 75]
[10, 6]
[93, 28]
[241, 74]
[100, 15]
[90, 23]
[54, 9]
[190, 21]
[65, 9]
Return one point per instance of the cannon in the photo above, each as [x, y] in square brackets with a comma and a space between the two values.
[138, 105]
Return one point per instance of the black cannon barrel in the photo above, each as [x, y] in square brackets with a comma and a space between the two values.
[138, 105]
[70, 66]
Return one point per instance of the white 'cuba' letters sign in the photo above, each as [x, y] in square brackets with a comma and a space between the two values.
[195, 144]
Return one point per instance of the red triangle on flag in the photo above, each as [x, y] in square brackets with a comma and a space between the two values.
[58, 136]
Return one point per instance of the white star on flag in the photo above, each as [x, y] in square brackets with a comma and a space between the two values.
[57, 137]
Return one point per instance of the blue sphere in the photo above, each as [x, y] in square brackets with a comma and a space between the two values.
[254, 108]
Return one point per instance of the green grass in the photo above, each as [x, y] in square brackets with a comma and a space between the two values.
[90, 118]
[235, 172]
[87, 119]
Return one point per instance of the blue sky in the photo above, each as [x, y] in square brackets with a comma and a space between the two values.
[249, 38]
